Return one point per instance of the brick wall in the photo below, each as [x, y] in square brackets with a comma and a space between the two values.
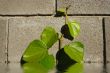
[22, 21]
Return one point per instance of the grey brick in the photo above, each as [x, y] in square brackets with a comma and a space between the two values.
[3, 41]
[24, 30]
[26, 7]
[3, 68]
[108, 67]
[15, 68]
[85, 6]
[107, 34]
[93, 68]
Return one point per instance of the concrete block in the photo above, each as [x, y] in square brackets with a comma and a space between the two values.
[3, 40]
[26, 7]
[3, 68]
[23, 30]
[15, 68]
[108, 67]
[93, 68]
[107, 36]
[85, 6]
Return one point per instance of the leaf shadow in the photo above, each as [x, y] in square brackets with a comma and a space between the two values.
[66, 33]
[63, 61]
[59, 14]
[22, 61]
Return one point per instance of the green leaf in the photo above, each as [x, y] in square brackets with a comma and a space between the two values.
[34, 68]
[74, 28]
[62, 10]
[35, 51]
[49, 36]
[76, 68]
[78, 45]
[48, 62]
[75, 51]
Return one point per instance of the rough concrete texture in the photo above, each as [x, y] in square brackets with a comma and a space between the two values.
[3, 68]
[107, 34]
[108, 68]
[3, 39]
[24, 30]
[93, 68]
[85, 6]
[14, 68]
[26, 7]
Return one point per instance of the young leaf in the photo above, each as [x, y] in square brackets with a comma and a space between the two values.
[34, 68]
[35, 51]
[76, 68]
[75, 51]
[60, 12]
[74, 28]
[48, 62]
[49, 36]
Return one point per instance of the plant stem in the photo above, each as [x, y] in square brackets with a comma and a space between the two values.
[60, 42]
[66, 21]
[66, 16]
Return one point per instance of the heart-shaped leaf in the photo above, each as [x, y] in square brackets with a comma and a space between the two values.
[74, 28]
[49, 36]
[75, 51]
[48, 62]
[34, 68]
[75, 68]
[35, 51]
